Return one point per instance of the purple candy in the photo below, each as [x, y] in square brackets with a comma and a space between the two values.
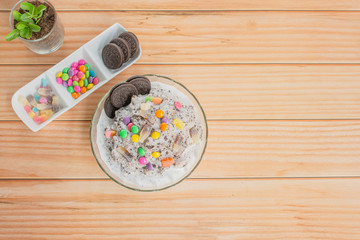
[149, 166]
[90, 79]
[65, 84]
[126, 120]
[71, 72]
[165, 120]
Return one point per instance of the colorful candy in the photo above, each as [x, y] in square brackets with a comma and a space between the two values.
[155, 154]
[129, 126]
[82, 68]
[83, 90]
[126, 120]
[65, 77]
[141, 151]
[142, 160]
[134, 129]
[167, 162]
[58, 74]
[155, 135]
[75, 95]
[77, 89]
[59, 80]
[110, 133]
[165, 120]
[123, 133]
[149, 166]
[95, 81]
[135, 138]
[148, 99]
[42, 100]
[163, 127]
[178, 123]
[157, 100]
[66, 70]
[177, 105]
[159, 113]
[81, 62]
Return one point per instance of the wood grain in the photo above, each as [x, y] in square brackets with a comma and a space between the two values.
[211, 37]
[235, 149]
[198, 5]
[262, 91]
[194, 209]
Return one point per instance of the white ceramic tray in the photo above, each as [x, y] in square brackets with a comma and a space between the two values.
[91, 52]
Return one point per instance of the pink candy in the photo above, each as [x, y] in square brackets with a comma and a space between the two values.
[59, 80]
[81, 62]
[142, 160]
[79, 74]
[110, 133]
[74, 65]
[76, 71]
[95, 81]
[77, 88]
[27, 108]
[69, 82]
[129, 126]
[75, 78]
[177, 105]
[42, 100]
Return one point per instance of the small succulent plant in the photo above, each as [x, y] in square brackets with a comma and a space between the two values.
[27, 22]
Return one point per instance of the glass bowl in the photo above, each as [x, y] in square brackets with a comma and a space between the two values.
[122, 179]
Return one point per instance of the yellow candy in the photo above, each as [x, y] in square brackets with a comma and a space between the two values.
[31, 114]
[81, 83]
[178, 123]
[47, 112]
[155, 135]
[44, 117]
[83, 77]
[155, 154]
[90, 86]
[135, 138]
[59, 74]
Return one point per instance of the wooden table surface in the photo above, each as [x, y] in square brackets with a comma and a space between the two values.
[279, 82]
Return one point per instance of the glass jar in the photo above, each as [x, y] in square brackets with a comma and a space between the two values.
[48, 43]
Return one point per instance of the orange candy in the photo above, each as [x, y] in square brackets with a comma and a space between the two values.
[167, 162]
[159, 113]
[157, 100]
[83, 90]
[82, 68]
[163, 127]
[75, 95]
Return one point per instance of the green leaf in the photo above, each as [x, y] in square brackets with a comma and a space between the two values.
[34, 28]
[26, 17]
[25, 32]
[29, 34]
[17, 15]
[27, 7]
[21, 25]
[11, 36]
[39, 11]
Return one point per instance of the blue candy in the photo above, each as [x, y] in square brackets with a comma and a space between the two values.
[43, 83]
[92, 73]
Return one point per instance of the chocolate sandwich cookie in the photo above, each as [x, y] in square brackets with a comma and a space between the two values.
[123, 44]
[121, 95]
[132, 41]
[112, 56]
[142, 84]
[109, 108]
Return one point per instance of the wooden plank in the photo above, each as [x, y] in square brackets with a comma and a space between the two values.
[231, 91]
[195, 209]
[199, 5]
[211, 37]
[235, 149]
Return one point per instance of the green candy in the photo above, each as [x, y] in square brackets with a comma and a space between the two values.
[75, 83]
[134, 129]
[141, 152]
[87, 74]
[66, 70]
[87, 66]
[148, 98]
[70, 89]
[65, 77]
[86, 82]
[123, 133]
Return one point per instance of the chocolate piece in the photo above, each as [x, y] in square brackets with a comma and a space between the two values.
[123, 44]
[112, 56]
[132, 41]
[121, 95]
[109, 108]
[142, 84]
